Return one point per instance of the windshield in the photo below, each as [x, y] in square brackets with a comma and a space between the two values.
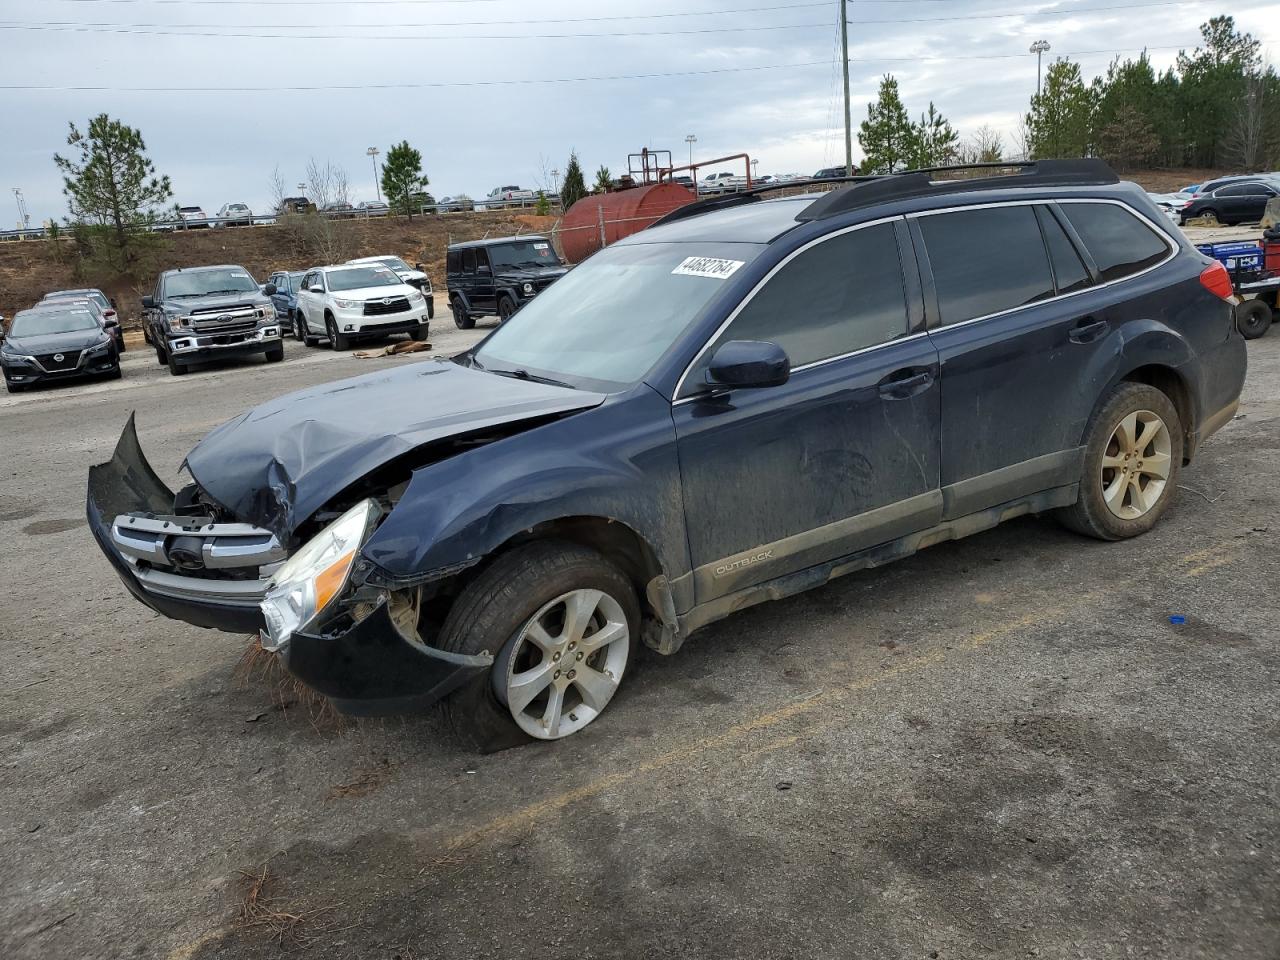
[609, 319]
[524, 253]
[395, 263]
[203, 283]
[37, 323]
[354, 278]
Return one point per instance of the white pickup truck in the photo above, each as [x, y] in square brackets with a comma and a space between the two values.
[508, 197]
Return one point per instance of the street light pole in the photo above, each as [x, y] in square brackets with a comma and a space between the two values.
[1039, 48]
[372, 154]
[844, 63]
[691, 140]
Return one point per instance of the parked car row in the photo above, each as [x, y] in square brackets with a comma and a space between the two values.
[729, 182]
[69, 334]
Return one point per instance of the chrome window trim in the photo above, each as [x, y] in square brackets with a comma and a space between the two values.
[751, 294]
[1168, 240]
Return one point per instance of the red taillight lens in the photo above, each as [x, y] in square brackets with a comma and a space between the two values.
[109, 313]
[1217, 281]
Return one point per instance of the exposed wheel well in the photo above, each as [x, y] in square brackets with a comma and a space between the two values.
[618, 542]
[1169, 382]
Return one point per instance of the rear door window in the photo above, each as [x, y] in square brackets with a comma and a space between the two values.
[1069, 271]
[469, 260]
[838, 296]
[1120, 243]
[986, 261]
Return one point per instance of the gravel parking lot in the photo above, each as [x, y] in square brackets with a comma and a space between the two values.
[999, 747]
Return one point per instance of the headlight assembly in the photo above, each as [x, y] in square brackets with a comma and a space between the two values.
[313, 577]
[343, 304]
[177, 322]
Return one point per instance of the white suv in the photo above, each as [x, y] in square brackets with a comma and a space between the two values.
[346, 303]
[414, 277]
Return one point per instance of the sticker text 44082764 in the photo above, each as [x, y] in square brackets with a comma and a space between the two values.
[712, 267]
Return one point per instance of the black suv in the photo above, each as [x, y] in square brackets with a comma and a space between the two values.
[741, 402]
[497, 277]
[210, 313]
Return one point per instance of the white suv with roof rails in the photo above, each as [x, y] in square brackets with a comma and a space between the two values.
[413, 276]
[358, 300]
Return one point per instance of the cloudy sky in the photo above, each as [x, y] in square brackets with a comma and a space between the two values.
[497, 91]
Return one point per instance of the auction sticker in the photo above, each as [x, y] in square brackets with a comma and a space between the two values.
[707, 267]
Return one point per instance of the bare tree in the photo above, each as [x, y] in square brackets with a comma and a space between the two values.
[277, 187]
[1244, 144]
[327, 183]
[1022, 140]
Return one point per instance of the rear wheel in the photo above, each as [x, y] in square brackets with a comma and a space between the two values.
[1133, 454]
[1208, 216]
[564, 622]
[337, 341]
[1253, 318]
[461, 318]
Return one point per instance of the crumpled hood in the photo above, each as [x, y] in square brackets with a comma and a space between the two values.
[279, 463]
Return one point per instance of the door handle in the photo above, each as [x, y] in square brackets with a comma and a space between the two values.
[902, 384]
[1087, 330]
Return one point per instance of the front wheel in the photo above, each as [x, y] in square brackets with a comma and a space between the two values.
[275, 354]
[1253, 319]
[336, 340]
[1133, 453]
[506, 307]
[419, 332]
[176, 367]
[564, 622]
[298, 325]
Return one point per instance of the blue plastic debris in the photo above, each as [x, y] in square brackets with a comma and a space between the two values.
[1176, 618]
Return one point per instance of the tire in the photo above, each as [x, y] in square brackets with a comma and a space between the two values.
[493, 613]
[299, 327]
[14, 387]
[1134, 509]
[1253, 318]
[461, 318]
[114, 374]
[120, 347]
[337, 341]
[1209, 216]
[146, 335]
[275, 354]
[161, 357]
[506, 307]
[419, 333]
[176, 367]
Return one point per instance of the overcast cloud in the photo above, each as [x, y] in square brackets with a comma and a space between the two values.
[222, 146]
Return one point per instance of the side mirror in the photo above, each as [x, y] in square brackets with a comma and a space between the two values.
[148, 303]
[269, 289]
[316, 289]
[420, 267]
[743, 364]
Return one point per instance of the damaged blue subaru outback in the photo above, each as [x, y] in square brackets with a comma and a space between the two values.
[744, 401]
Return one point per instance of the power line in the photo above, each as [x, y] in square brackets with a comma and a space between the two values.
[429, 85]
[137, 29]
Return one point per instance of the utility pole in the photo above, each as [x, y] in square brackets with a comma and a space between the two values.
[24, 218]
[844, 63]
[372, 154]
[1039, 48]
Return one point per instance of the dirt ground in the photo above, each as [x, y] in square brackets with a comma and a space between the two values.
[1001, 747]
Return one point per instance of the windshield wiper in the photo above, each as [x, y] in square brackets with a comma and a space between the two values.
[522, 374]
[179, 296]
[210, 293]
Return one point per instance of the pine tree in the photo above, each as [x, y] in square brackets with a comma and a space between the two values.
[886, 135]
[402, 177]
[112, 189]
[1059, 121]
[574, 187]
[934, 142]
[603, 180]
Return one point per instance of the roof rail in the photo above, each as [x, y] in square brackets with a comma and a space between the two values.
[750, 195]
[917, 183]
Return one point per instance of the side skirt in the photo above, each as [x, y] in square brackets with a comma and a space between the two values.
[819, 574]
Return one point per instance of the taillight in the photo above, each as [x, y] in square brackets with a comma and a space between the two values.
[110, 313]
[1217, 281]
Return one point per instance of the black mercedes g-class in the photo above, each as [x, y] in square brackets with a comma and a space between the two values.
[496, 277]
[209, 313]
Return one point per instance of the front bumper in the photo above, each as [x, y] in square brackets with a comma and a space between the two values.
[354, 323]
[213, 345]
[26, 374]
[369, 669]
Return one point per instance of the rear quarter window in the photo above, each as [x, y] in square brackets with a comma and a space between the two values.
[1120, 243]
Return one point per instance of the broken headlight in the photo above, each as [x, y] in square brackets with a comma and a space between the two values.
[315, 575]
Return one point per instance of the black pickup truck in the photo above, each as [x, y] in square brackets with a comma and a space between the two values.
[210, 313]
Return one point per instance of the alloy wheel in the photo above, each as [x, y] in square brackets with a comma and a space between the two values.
[1136, 464]
[566, 663]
